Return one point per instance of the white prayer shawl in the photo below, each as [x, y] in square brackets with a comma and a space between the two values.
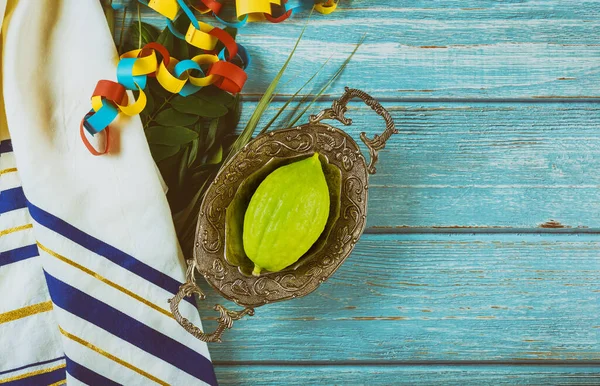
[108, 254]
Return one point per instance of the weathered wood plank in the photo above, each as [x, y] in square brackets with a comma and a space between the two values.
[482, 165]
[471, 49]
[427, 297]
[408, 375]
[436, 297]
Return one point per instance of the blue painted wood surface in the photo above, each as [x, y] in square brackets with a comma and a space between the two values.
[409, 375]
[481, 261]
[437, 297]
[517, 49]
[483, 165]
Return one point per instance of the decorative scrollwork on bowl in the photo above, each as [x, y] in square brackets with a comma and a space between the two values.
[341, 151]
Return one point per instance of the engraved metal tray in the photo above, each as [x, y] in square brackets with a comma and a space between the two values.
[340, 150]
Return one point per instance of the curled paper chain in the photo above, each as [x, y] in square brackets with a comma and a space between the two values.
[246, 11]
[183, 77]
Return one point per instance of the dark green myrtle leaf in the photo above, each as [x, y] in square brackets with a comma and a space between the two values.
[188, 105]
[200, 175]
[194, 51]
[183, 167]
[216, 157]
[199, 126]
[216, 95]
[193, 152]
[149, 103]
[198, 107]
[212, 110]
[229, 122]
[162, 152]
[168, 169]
[172, 117]
[212, 133]
[180, 48]
[149, 34]
[172, 135]
[158, 92]
[145, 118]
[166, 39]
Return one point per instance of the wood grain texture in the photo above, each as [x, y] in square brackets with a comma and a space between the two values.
[436, 297]
[408, 375]
[483, 148]
[500, 165]
[447, 49]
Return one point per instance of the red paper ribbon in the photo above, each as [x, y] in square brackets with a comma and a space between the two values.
[87, 143]
[227, 41]
[212, 5]
[113, 91]
[232, 79]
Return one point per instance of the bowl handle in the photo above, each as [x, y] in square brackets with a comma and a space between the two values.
[225, 319]
[339, 108]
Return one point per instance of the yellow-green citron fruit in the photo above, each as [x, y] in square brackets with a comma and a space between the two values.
[286, 215]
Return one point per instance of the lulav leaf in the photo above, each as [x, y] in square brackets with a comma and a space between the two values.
[171, 136]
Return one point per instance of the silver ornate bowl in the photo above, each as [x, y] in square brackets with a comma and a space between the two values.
[210, 260]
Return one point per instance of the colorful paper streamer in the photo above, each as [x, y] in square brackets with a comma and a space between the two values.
[246, 11]
[255, 10]
[178, 77]
[184, 77]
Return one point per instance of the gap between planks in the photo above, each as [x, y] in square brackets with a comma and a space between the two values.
[539, 363]
[533, 100]
[479, 231]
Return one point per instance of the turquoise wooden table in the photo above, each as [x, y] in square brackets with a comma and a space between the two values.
[481, 259]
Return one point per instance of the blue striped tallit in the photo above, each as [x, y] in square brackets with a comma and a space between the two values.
[97, 230]
[30, 346]
[115, 307]
[151, 333]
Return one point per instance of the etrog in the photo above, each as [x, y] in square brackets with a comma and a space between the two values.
[286, 215]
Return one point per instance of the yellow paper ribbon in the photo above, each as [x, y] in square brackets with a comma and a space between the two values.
[143, 65]
[248, 7]
[136, 65]
[207, 80]
[167, 8]
[166, 78]
[201, 38]
[255, 9]
[137, 106]
[131, 110]
[326, 8]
